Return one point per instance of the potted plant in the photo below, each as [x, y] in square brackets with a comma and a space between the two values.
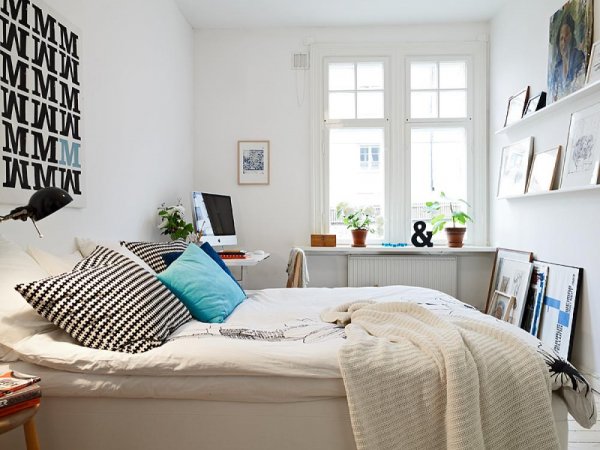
[359, 223]
[173, 222]
[454, 234]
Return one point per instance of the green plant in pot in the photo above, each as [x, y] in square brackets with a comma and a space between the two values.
[358, 222]
[455, 234]
[173, 223]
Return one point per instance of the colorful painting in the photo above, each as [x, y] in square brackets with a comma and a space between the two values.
[570, 45]
[41, 127]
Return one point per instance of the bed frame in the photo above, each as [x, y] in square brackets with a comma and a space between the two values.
[152, 424]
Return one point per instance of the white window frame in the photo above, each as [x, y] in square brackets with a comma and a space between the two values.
[397, 125]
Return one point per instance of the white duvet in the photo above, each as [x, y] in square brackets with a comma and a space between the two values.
[274, 332]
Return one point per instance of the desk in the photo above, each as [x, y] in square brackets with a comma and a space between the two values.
[251, 259]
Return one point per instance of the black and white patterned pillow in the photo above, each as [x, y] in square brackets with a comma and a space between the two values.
[152, 252]
[120, 307]
[101, 256]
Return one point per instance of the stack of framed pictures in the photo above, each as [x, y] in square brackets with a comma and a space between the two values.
[540, 297]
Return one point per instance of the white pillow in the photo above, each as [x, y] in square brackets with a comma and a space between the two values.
[87, 246]
[54, 265]
[17, 318]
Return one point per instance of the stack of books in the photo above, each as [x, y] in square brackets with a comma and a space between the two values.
[18, 391]
[232, 254]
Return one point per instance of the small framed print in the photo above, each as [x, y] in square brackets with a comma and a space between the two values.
[543, 171]
[254, 162]
[535, 103]
[516, 106]
[593, 72]
[502, 306]
[503, 254]
[514, 168]
[582, 155]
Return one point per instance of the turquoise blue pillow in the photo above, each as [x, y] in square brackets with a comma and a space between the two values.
[202, 286]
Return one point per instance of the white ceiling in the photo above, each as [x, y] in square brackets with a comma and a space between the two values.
[315, 13]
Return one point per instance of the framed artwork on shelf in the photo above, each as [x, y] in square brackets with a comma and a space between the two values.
[570, 43]
[593, 72]
[501, 255]
[501, 306]
[535, 103]
[514, 168]
[559, 310]
[254, 162]
[516, 106]
[582, 155]
[543, 170]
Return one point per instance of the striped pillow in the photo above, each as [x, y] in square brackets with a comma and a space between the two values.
[152, 252]
[117, 306]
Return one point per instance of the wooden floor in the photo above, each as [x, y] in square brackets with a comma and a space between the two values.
[582, 439]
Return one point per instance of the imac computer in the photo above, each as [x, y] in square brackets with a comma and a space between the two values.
[213, 216]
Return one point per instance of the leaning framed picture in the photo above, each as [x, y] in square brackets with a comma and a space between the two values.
[501, 255]
[593, 72]
[535, 103]
[516, 106]
[514, 168]
[254, 162]
[570, 41]
[501, 306]
[559, 310]
[543, 171]
[582, 155]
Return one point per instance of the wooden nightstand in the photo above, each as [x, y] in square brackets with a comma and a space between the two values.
[25, 418]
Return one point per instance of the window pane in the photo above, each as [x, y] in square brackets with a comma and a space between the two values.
[352, 186]
[341, 76]
[453, 75]
[369, 75]
[370, 105]
[438, 164]
[341, 105]
[423, 75]
[453, 104]
[423, 104]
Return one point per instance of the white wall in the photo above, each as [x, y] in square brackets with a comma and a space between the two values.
[557, 228]
[245, 89]
[137, 79]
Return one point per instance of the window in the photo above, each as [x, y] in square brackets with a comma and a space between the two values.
[439, 130]
[355, 128]
[392, 132]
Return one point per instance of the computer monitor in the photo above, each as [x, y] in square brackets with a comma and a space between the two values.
[213, 215]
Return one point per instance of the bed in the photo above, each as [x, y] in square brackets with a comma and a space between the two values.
[267, 378]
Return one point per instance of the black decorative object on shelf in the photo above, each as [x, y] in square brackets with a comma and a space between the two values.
[421, 238]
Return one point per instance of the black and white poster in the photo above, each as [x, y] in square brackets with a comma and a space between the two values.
[41, 120]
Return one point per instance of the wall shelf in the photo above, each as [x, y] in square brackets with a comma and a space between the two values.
[563, 103]
[591, 187]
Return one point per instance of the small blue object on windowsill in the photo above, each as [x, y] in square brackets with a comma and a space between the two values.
[392, 244]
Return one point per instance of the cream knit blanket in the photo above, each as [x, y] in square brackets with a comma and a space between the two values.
[415, 380]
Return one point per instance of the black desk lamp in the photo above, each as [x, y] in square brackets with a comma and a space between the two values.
[41, 204]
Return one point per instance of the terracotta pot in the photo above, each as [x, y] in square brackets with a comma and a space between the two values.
[455, 236]
[359, 238]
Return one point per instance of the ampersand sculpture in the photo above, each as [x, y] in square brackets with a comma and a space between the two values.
[420, 239]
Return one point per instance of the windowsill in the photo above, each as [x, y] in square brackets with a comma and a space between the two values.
[378, 249]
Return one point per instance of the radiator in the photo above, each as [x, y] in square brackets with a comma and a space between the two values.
[425, 271]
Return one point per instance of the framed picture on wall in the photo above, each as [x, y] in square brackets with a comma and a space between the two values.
[514, 168]
[582, 155]
[543, 170]
[253, 162]
[516, 106]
